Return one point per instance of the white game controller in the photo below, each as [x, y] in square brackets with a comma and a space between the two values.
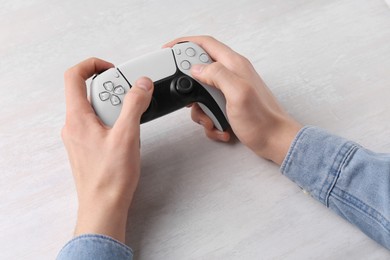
[174, 87]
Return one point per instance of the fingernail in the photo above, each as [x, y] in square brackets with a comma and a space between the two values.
[144, 83]
[197, 68]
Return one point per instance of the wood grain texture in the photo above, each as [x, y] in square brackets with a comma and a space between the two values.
[328, 63]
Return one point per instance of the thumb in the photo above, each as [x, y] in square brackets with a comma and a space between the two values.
[217, 75]
[135, 103]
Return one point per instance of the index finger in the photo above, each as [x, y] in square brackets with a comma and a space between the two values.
[75, 88]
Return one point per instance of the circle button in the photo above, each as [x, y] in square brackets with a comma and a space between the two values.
[204, 58]
[184, 85]
[185, 65]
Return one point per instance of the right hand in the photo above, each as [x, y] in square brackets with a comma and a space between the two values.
[256, 117]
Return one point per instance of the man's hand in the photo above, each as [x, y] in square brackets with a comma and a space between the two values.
[105, 161]
[254, 114]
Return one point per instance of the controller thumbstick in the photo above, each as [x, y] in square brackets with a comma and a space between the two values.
[184, 85]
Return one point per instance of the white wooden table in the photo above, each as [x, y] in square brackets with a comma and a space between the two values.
[327, 61]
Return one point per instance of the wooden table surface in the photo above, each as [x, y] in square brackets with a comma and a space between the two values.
[327, 61]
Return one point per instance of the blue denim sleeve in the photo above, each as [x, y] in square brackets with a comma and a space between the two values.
[349, 179]
[94, 246]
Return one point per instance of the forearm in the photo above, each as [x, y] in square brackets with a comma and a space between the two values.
[100, 231]
[100, 218]
[351, 180]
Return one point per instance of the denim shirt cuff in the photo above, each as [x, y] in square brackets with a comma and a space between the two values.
[315, 160]
[95, 246]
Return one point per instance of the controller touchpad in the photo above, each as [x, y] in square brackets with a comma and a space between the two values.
[156, 66]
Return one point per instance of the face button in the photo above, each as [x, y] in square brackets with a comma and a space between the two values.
[115, 100]
[184, 85]
[190, 52]
[185, 65]
[104, 96]
[204, 58]
[119, 90]
[109, 86]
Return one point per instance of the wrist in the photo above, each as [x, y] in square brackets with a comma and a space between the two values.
[102, 216]
[278, 140]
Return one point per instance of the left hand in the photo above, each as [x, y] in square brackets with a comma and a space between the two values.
[105, 161]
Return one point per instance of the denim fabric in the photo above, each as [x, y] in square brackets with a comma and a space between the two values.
[349, 179]
[97, 247]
